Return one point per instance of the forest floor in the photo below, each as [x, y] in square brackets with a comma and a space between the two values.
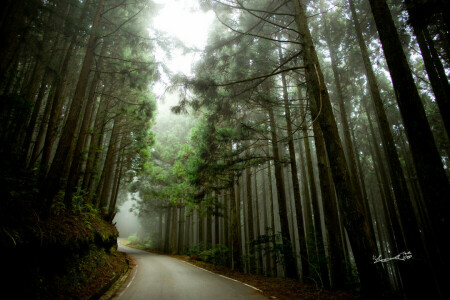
[69, 255]
[271, 287]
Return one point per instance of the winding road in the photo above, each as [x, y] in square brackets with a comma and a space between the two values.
[162, 277]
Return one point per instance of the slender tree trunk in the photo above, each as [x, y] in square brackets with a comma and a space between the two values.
[250, 219]
[432, 178]
[373, 279]
[116, 187]
[343, 114]
[174, 231]
[400, 188]
[201, 228]
[56, 100]
[209, 228]
[74, 176]
[181, 223]
[290, 263]
[338, 272]
[96, 144]
[216, 219]
[236, 225]
[245, 240]
[266, 271]
[309, 229]
[108, 168]
[321, 256]
[439, 86]
[443, 101]
[226, 224]
[258, 227]
[295, 181]
[274, 269]
[58, 19]
[188, 243]
[167, 231]
[51, 185]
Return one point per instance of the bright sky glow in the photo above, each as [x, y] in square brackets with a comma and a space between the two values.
[181, 19]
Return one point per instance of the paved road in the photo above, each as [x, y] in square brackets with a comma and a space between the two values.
[162, 277]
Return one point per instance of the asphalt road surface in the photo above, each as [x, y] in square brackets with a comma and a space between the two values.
[162, 277]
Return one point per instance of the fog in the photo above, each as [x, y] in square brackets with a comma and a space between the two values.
[127, 222]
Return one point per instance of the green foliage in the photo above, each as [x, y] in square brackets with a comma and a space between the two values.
[134, 239]
[216, 256]
[196, 249]
[271, 243]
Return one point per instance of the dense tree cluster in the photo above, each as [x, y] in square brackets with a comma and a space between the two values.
[76, 102]
[319, 149]
[308, 160]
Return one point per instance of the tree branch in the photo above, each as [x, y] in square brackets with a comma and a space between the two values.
[261, 77]
[254, 35]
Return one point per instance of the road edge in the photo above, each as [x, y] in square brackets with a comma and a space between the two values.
[109, 290]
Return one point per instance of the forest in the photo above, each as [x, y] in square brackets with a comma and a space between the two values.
[310, 141]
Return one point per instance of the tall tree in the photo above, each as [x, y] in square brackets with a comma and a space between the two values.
[373, 280]
[431, 175]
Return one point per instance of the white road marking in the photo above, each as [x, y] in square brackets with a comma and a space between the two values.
[129, 283]
[250, 286]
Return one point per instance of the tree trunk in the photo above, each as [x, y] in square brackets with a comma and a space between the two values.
[173, 237]
[201, 228]
[95, 145]
[266, 271]
[250, 219]
[338, 272]
[295, 182]
[181, 223]
[116, 187]
[373, 279]
[274, 270]
[108, 169]
[236, 226]
[290, 263]
[167, 231]
[258, 227]
[209, 239]
[216, 219]
[343, 114]
[433, 64]
[321, 256]
[52, 183]
[432, 178]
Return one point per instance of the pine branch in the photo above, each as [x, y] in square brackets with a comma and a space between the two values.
[254, 35]
[262, 76]
[257, 10]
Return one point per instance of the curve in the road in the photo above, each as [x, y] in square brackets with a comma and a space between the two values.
[162, 277]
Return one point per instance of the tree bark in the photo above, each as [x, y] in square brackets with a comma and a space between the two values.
[295, 183]
[432, 178]
[274, 269]
[250, 219]
[51, 185]
[290, 263]
[108, 169]
[373, 279]
[74, 173]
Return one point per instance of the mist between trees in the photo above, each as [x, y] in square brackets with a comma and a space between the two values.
[311, 138]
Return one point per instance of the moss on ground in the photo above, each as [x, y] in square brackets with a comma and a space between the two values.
[68, 256]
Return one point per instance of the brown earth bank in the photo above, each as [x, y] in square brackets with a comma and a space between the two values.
[68, 256]
[271, 287]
